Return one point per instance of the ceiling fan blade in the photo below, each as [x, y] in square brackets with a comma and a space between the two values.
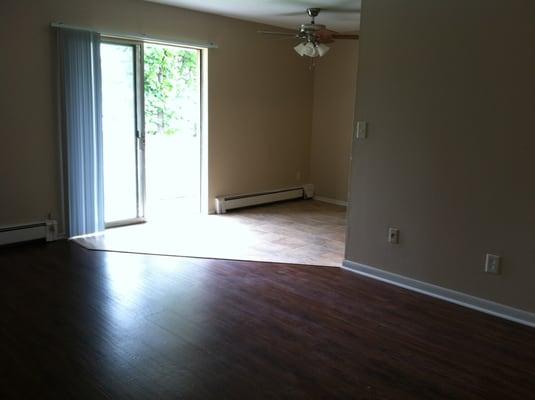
[340, 10]
[328, 10]
[278, 33]
[328, 36]
[342, 36]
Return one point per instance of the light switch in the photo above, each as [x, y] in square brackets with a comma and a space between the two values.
[362, 130]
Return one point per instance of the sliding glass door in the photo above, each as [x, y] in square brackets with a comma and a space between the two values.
[154, 89]
[123, 139]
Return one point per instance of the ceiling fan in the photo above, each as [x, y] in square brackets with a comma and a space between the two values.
[313, 36]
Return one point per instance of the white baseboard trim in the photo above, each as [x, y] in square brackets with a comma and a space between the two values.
[452, 296]
[331, 201]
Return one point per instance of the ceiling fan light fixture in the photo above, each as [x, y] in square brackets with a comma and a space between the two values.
[322, 49]
[305, 49]
[311, 49]
[300, 49]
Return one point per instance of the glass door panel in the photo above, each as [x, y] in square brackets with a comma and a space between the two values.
[122, 199]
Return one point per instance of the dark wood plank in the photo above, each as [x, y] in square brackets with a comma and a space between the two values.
[83, 324]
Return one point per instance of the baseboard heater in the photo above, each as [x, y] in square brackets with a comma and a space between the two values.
[25, 232]
[229, 202]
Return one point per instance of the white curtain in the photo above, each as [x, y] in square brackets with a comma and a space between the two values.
[81, 120]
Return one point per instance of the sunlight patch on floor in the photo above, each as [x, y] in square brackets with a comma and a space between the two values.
[301, 232]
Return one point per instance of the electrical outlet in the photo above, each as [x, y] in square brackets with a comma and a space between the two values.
[393, 235]
[492, 264]
[51, 230]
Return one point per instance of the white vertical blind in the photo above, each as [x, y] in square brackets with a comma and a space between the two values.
[81, 103]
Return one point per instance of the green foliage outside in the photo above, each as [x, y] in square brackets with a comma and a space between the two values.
[171, 90]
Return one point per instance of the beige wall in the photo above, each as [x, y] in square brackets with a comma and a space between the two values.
[259, 91]
[448, 89]
[335, 77]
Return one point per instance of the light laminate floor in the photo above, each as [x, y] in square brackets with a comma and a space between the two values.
[299, 232]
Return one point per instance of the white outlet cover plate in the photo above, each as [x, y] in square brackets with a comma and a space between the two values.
[492, 264]
[393, 235]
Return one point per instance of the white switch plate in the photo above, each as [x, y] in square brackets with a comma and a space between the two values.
[492, 264]
[361, 130]
[393, 235]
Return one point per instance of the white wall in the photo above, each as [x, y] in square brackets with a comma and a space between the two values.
[259, 91]
[448, 89]
[335, 79]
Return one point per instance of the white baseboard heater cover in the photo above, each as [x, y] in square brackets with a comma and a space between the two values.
[229, 202]
[25, 232]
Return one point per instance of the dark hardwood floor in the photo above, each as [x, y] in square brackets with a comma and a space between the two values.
[82, 324]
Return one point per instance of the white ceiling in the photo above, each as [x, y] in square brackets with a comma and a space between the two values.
[273, 12]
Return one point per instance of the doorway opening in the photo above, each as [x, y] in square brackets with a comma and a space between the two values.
[155, 155]
[172, 91]
[151, 131]
[154, 103]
